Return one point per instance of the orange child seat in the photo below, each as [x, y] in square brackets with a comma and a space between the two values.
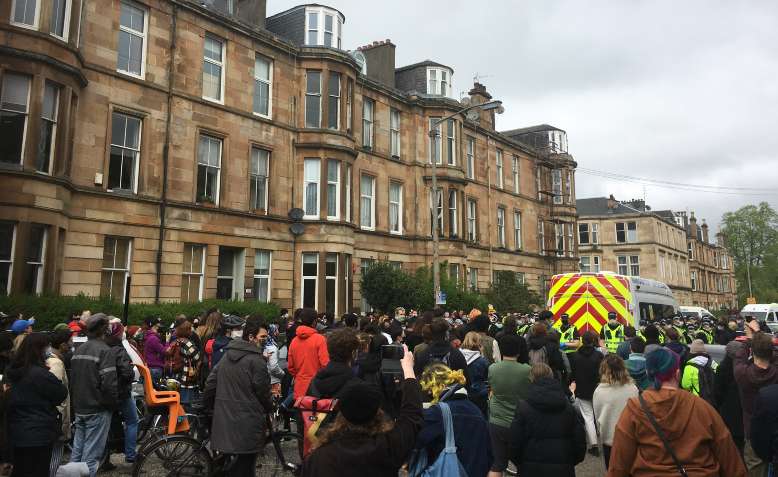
[176, 422]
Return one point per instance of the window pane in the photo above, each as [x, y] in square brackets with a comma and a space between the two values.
[262, 68]
[313, 82]
[24, 11]
[6, 240]
[212, 80]
[213, 49]
[226, 261]
[15, 92]
[262, 262]
[57, 21]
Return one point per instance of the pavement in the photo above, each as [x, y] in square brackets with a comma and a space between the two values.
[590, 467]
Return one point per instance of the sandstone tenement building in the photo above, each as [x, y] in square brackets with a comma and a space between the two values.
[170, 141]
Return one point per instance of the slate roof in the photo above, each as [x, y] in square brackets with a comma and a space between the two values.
[420, 64]
[597, 206]
[531, 129]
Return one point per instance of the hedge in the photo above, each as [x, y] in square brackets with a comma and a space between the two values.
[49, 310]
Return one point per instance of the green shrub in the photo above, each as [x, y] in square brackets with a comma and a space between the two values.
[49, 310]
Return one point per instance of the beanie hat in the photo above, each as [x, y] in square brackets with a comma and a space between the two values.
[61, 326]
[697, 347]
[359, 401]
[116, 329]
[95, 321]
[661, 365]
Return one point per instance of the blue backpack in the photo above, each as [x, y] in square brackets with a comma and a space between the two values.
[447, 464]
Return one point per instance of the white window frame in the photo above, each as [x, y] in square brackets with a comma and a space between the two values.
[258, 176]
[363, 196]
[569, 186]
[222, 64]
[541, 236]
[349, 105]
[515, 165]
[501, 226]
[451, 142]
[633, 264]
[585, 268]
[438, 142]
[334, 278]
[41, 264]
[65, 22]
[596, 264]
[498, 169]
[332, 31]
[201, 272]
[115, 269]
[267, 276]
[472, 221]
[10, 260]
[218, 167]
[347, 179]
[584, 233]
[570, 239]
[435, 79]
[337, 26]
[627, 238]
[53, 121]
[368, 121]
[334, 97]
[518, 242]
[622, 261]
[336, 185]
[453, 221]
[556, 185]
[394, 132]
[470, 157]
[136, 151]
[559, 234]
[309, 277]
[436, 208]
[313, 161]
[36, 20]
[538, 181]
[396, 229]
[312, 94]
[26, 112]
[142, 34]
[472, 278]
[595, 233]
[265, 81]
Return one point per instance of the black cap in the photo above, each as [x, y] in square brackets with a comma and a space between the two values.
[152, 321]
[359, 401]
[612, 315]
[565, 316]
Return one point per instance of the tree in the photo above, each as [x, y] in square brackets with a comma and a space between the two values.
[508, 294]
[751, 236]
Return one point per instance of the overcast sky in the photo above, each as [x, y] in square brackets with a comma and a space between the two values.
[681, 91]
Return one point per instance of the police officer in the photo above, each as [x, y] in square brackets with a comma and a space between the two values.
[612, 333]
[568, 335]
[678, 325]
[524, 325]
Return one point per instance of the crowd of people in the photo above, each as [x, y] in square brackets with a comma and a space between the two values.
[417, 392]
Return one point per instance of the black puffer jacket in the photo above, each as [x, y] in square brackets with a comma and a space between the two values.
[553, 356]
[440, 351]
[547, 434]
[727, 397]
[330, 380]
[238, 388]
[586, 371]
[33, 419]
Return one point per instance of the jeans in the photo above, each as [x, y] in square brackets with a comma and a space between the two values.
[89, 438]
[130, 417]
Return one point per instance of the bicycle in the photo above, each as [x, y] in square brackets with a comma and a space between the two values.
[182, 455]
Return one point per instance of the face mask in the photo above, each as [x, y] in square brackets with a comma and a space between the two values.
[237, 334]
[611, 322]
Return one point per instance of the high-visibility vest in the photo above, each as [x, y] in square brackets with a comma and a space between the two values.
[681, 335]
[567, 336]
[523, 329]
[613, 338]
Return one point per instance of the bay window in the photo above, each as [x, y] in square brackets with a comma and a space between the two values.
[453, 222]
[48, 128]
[14, 107]
[312, 173]
[313, 99]
[35, 254]
[471, 220]
[333, 103]
[368, 107]
[333, 189]
[451, 141]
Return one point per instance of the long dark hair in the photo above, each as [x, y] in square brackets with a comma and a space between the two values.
[32, 352]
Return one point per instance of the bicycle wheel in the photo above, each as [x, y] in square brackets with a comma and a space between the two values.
[282, 455]
[173, 456]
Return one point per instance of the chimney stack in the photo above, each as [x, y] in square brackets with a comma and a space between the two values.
[479, 95]
[252, 12]
[693, 227]
[704, 231]
[612, 203]
[380, 61]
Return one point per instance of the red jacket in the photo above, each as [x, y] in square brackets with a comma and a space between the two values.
[307, 355]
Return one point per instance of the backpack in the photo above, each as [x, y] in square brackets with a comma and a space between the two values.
[174, 360]
[537, 356]
[705, 378]
[445, 359]
[447, 464]
[314, 412]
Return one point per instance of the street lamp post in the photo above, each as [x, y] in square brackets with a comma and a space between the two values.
[434, 134]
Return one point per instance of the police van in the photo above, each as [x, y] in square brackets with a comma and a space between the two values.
[763, 312]
[696, 312]
[588, 298]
